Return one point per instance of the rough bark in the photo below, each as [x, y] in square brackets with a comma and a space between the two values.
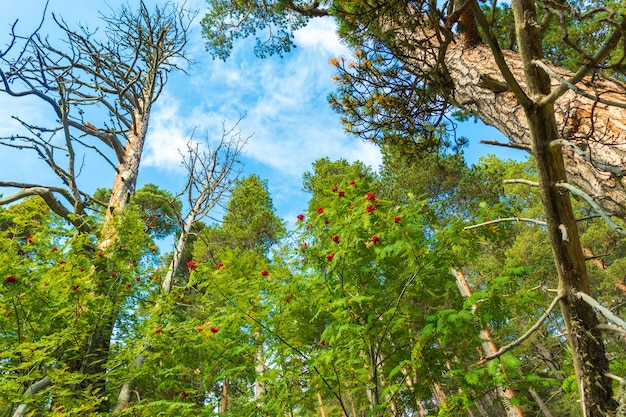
[588, 353]
[594, 129]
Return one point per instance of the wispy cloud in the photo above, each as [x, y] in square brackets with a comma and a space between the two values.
[284, 101]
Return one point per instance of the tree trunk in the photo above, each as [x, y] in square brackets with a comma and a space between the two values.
[125, 180]
[321, 404]
[588, 352]
[489, 348]
[594, 127]
[224, 401]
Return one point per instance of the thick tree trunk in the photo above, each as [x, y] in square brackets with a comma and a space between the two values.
[594, 128]
[125, 180]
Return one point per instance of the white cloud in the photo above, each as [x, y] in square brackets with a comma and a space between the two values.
[288, 116]
[321, 34]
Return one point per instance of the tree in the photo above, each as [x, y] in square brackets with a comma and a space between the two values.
[122, 70]
[411, 68]
[210, 175]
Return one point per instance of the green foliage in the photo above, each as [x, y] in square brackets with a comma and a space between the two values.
[227, 21]
[59, 293]
[356, 308]
[159, 210]
[249, 223]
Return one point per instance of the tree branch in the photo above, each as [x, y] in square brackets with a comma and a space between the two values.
[507, 219]
[507, 145]
[603, 310]
[47, 193]
[580, 193]
[521, 181]
[607, 48]
[526, 335]
[32, 390]
[587, 157]
[576, 89]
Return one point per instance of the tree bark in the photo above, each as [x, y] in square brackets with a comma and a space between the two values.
[594, 128]
[489, 347]
[588, 352]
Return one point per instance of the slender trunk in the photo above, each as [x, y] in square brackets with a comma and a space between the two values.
[489, 348]
[259, 369]
[588, 352]
[372, 388]
[542, 406]
[224, 402]
[321, 404]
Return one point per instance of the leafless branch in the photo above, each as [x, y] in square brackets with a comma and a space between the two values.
[123, 69]
[507, 219]
[507, 145]
[603, 310]
[587, 157]
[526, 335]
[590, 200]
[521, 181]
[37, 386]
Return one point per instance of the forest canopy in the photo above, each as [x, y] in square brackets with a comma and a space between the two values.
[424, 286]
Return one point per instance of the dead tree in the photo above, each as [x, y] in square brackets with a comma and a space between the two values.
[123, 70]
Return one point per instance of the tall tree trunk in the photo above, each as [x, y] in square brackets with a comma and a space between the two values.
[489, 348]
[588, 352]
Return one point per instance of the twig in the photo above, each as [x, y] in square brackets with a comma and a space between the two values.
[576, 89]
[526, 335]
[507, 219]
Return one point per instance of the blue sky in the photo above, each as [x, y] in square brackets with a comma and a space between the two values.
[288, 119]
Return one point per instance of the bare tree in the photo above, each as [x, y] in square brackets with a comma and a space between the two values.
[210, 174]
[122, 69]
